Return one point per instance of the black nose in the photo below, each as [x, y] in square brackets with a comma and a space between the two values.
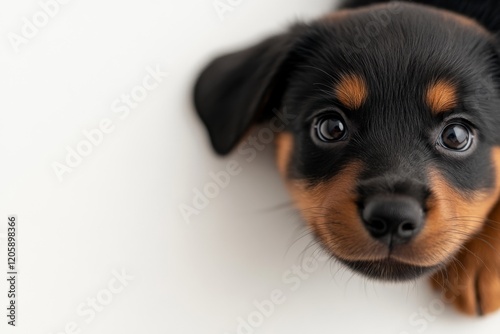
[393, 220]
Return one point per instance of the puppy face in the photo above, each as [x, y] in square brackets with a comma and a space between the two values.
[392, 154]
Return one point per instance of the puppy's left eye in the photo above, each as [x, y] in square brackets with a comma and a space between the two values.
[331, 128]
[456, 137]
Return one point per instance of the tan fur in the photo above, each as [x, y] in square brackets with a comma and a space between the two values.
[330, 210]
[351, 90]
[472, 280]
[284, 144]
[441, 96]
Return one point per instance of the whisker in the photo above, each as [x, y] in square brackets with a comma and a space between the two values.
[277, 207]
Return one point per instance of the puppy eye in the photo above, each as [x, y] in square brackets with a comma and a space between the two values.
[456, 137]
[331, 128]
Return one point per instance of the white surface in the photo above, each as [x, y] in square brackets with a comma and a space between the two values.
[119, 209]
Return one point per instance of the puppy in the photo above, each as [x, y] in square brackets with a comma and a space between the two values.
[391, 148]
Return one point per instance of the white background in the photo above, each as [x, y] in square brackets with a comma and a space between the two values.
[119, 208]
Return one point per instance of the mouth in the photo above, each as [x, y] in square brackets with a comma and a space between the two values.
[389, 269]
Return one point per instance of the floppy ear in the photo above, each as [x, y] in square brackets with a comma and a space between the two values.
[239, 89]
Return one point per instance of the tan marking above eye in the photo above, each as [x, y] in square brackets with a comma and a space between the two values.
[351, 91]
[441, 96]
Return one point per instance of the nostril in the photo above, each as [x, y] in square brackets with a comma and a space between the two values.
[407, 229]
[377, 226]
[407, 226]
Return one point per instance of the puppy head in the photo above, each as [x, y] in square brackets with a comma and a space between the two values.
[391, 151]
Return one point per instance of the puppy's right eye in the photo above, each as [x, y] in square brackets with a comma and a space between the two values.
[331, 128]
[456, 137]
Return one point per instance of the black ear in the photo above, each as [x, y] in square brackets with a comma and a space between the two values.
[241, 88]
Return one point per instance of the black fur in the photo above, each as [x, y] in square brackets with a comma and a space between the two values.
[487, 12]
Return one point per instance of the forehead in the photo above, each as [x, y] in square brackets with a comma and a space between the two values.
[440, 95]
[413, 53]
